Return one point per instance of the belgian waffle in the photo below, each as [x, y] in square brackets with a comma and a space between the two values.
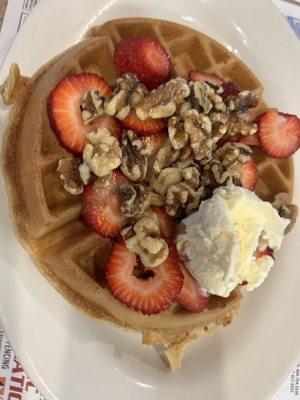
[48, 219]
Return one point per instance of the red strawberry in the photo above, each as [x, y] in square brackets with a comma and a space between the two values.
[145, 57]
[101, 205]
[279, 134]
[205, 77]
[248, 174]
[148, 290]
[155, 141]
[267, 252]
[168, 225]
[64, 109]
[111, 123]
[251, 140]
[191, 296]
[230, 89]
[143, 128]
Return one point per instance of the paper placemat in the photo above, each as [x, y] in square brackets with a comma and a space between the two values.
[14, 383]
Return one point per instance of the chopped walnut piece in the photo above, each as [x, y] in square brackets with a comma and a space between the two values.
[198, 126]
[68, 170]
[166, 178]
[182, 197]
[143, 239]
[96, 137]
[183, 164]
[8, 87]
[91, 106]
[134, 162]
[137, 95]
[136, 199]
[105, 155]
[240, 123]
[177, 135]
[163, 101]
[85, 173]
[204, 98]
[186, 153]
[231, 153]
[242, 102]
[221, 168]
[163, 110]
[185, 106]
[195, 197]
[219, 123]
[157, 199]
[191, 176]
[165, 157]
[286, 209]
[129, 91]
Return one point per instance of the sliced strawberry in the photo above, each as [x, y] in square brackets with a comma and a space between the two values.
[191, 296]
[64, 109]
[102, 205]
[279, 134]
[143, 128]
[155, 141]
[205, 77]
[267, 252]
[149, 291]
[230, 89]
[248, 174]
[145, 57]
[251, 140]
[168, 225]
[110, 123]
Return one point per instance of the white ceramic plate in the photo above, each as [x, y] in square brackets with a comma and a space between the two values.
[70, 356]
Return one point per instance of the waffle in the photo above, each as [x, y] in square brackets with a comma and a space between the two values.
[48, 219]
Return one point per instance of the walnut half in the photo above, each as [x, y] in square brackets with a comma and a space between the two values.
[134, 163]
[104, 155]
[286, 209]
[68, 170]
[143, 239]
[198, 127]
[129, 91]
[136, 199]
[91, 106]
[163, 101]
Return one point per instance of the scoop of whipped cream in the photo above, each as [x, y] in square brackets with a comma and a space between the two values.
[217, 243]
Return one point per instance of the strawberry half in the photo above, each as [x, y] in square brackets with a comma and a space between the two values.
[145, 57]
[102, 205]
[230, 89]
[149, 291]
[110, 123]
[205, 77]
[143, 128]
[267, 252]
[168, 225]
[251, 140]
[64, 109]
[248, 173]
[279, 134]
[191, 296]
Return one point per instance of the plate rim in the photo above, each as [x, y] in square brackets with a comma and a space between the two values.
[34, 376]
